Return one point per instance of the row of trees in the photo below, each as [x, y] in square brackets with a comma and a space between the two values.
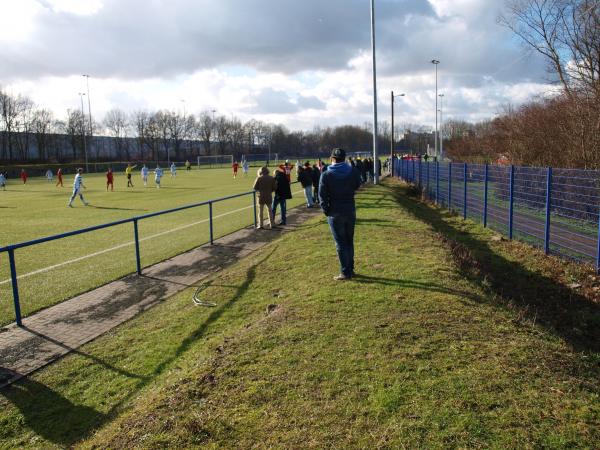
[28, 133]
[561, 131]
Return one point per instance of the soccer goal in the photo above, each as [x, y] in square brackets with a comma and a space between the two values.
[208, 162]
[260, 159]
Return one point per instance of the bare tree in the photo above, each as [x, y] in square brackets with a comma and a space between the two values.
[74, 128]
[117, 124]
[41, 127]
[205, 130]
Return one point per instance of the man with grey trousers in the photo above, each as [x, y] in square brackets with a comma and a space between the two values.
[336, 196]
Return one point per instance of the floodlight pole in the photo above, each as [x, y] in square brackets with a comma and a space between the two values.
[87, 81]
[375, 152]
[441, 96]
[81, 94]
[392, 138]
[435, 62]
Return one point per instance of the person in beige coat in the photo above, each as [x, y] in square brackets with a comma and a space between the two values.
[265, 185]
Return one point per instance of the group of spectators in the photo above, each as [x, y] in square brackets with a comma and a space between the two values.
[332, 187]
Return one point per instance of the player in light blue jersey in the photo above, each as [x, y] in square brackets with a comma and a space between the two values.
[158, 173]
[2, 181]
[173, 170]
[77, 186]
[144, 173]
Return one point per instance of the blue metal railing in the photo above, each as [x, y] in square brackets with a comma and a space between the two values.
[10, 249]
[555, 209]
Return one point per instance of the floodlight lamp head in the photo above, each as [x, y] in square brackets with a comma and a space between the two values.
[435, 61]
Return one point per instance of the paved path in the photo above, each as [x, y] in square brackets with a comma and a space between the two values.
[60, 329]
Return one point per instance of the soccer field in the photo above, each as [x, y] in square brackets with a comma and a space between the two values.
[54, 271]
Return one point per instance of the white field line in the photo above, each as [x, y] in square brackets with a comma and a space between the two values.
[116, 247]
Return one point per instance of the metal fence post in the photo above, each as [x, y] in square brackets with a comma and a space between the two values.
[485, 195]
[427, 173]
[413, 177]
[138, 263]
[465, 192]
[450, 186]
[437, 182]
[210, 222]
[254, 204]
[15, 286]
[548, 208]
[420, 173]
[510, 199]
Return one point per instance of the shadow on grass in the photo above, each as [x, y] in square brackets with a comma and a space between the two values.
[538, 298]
[42, 408]
[62, 422]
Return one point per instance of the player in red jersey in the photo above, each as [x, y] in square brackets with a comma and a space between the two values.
[23, 176]
[235, 168]
[59, 176]
[109, 180]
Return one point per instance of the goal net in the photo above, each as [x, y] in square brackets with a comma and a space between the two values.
[207, 162]
[261, 159]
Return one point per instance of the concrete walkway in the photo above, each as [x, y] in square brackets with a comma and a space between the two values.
[60, 329]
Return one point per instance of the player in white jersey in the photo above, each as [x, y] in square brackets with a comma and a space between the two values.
[245, 167]
[77, 186]
[158, 173]
[49, 175]
[173, 170]
[144, 172]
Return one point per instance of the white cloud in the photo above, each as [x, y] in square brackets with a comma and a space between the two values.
[297, 63]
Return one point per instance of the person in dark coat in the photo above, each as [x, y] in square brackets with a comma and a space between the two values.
[305, 179]
[316, 176]
[282, 193]
[362, 170]
[336, 194]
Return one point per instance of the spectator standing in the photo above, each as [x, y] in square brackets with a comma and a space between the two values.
[336, 194]
[362, 170]
[282, 194]
[265, 184]
[305, 179]
[316, 176]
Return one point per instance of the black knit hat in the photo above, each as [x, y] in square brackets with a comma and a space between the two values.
[339, 154]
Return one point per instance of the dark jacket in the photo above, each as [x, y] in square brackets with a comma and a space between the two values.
[336, 190]
[283, 185]
[304, 177]
[316, 176]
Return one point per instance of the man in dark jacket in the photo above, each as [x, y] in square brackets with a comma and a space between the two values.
[362, 170]
[336, 194]
[316, 177]
[305, 179]
[282, 193]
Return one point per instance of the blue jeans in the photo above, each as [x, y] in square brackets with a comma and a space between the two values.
[342, 229]
[308, 194]
[279, 201]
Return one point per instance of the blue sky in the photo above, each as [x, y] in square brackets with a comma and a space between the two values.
[302, 64]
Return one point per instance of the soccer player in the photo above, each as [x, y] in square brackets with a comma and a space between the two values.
[235, 167]
[188, 165]
[23, 176]
[245, 167]
[49, 175]
[173, 170]
[128, 171]
[144, 172]
[158, 173]
[59, 177]
[109, 179]
[2, 181]
[77, 185]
